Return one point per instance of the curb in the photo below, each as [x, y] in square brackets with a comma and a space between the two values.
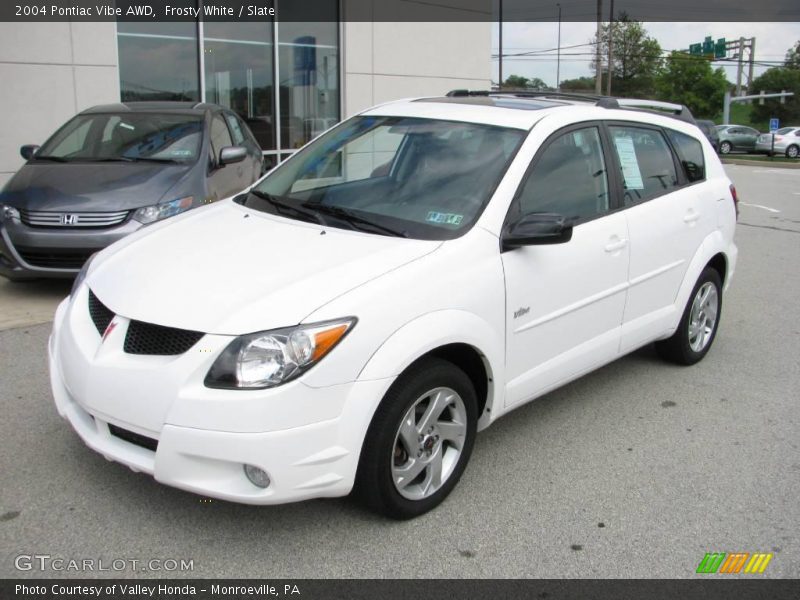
[761, 163]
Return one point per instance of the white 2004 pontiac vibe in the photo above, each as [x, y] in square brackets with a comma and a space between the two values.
[404, 280]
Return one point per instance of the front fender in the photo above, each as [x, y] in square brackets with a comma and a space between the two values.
[434, 330]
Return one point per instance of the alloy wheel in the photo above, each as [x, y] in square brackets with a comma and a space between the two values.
[429, 443]
[703, 317]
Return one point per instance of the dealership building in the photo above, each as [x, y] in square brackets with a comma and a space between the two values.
[289, 80]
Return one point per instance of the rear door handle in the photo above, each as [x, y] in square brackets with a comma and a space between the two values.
[618, 245]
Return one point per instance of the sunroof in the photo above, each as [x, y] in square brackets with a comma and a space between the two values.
[498, 101]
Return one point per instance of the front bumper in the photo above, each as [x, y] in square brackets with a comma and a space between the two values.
[52, 243]
[308, 440]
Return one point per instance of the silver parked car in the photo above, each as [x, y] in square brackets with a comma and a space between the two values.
[787, 141]
[736, 138]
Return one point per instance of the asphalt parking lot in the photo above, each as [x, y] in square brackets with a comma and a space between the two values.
[636, 470]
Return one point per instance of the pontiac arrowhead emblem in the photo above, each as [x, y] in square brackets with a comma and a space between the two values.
[108, 330]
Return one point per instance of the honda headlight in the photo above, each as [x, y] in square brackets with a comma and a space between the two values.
[151, 214]
[81, 275]
[270, 358]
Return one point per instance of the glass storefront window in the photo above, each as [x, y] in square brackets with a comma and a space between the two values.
[239, 74]
[162, 61]
[309, 80]
[158, 61]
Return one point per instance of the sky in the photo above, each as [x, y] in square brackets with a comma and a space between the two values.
[772, 42]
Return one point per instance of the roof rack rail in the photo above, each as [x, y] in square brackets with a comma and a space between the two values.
[527, 94]
[677, 111]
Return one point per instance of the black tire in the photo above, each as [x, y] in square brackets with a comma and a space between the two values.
[725, 148]
[678, 349]
[374, 485]
[792, 151]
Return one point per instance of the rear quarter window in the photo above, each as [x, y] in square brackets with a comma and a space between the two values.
[690, 155]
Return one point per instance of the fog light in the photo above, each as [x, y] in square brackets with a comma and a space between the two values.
[257, 477]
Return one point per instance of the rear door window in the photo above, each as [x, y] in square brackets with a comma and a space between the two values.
[645, 161]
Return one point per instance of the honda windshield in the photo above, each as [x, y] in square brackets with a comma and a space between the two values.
[126, 137]
[410, 177]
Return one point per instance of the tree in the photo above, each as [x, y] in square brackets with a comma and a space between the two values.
[690, 80]
[636, 58]
[523, 83]
[774, 80]
[581, 84]
[793, 57]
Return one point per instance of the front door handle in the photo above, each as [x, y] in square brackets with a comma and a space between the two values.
[615, 246]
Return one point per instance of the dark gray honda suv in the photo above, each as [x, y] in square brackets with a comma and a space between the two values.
[113, 169]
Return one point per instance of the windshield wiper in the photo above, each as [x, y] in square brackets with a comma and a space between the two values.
[283, 206]
[151, 159]
[347, 215]
[131, 159]
[53, 158]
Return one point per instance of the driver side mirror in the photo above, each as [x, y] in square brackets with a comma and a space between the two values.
[537, 229]
[28, 150]
[231, 154]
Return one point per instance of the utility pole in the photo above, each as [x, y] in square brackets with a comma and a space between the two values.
[740, 69]
[610, 46]
[598, 78]
[500, 60]
[738, 48]
[558, 59]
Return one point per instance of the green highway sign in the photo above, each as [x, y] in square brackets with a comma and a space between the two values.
[720, 48]
[709, 48]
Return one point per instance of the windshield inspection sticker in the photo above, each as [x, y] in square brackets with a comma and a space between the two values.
[629, 163]
[444, 218]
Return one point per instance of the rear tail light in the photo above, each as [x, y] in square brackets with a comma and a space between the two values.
[778, 138]
[735, 197]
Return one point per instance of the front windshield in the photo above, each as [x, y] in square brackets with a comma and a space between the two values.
[126, 137]
[420, 178]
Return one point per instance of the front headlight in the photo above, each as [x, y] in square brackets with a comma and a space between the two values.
[270, 358]
[81, 275]
[151, 214]
[8, 212]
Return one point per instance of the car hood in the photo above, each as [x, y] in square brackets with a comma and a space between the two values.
[99, 187]
[229, 270]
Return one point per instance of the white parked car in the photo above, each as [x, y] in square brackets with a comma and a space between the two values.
[787, 142]
[397, 285]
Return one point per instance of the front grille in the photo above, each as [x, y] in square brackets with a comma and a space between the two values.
[73, 220]
[56, 258]
[100, 313]
[133, 438]
[146, 338]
